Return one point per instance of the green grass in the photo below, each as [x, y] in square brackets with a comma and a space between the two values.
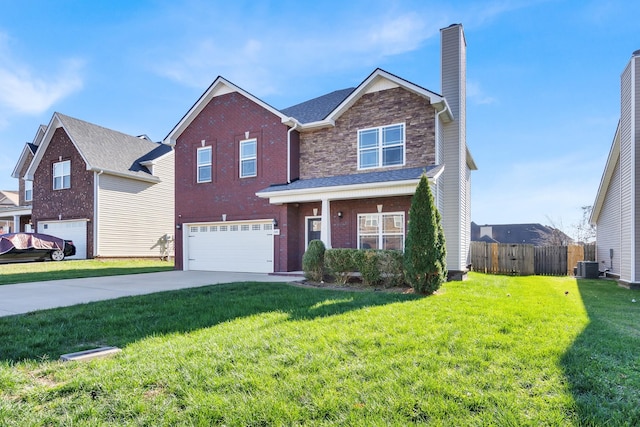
[38, 271]
[493, 350]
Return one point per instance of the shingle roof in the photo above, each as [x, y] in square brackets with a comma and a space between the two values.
[317, 108]
[111, 150]
[355, 179]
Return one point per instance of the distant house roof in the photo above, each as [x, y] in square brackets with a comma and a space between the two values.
[535, 234]
[104, 149]
[9, 198]
[317, 109]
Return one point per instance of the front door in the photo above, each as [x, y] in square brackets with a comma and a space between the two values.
[313, 229]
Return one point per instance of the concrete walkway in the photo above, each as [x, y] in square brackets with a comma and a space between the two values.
[27, 297]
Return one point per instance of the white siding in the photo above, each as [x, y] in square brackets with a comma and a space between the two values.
[626, 178]
[635, 135]
[133, 215]
[455, 203]
[608, 227]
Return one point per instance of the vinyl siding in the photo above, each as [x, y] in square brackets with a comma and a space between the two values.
[608, 227]
[133, 215]
[454, 175]
[626, 178]
[635, 135]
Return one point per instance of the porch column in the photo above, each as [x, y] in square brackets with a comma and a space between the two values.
[325, 223]
[16, 224]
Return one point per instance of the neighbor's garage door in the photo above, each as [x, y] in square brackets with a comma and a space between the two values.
[68, 230]
[246, 247]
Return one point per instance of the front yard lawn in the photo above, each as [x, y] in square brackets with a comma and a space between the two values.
[71, 269]
[494, 350]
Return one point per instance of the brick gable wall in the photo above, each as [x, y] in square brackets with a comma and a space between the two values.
[333, 151]
[222, 125]
[73, 203]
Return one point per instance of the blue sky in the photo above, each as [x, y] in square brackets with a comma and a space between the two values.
[543, 77]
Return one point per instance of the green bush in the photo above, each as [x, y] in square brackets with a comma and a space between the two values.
[367, 262]
[340, 264]
[391, 265]
[313, 261]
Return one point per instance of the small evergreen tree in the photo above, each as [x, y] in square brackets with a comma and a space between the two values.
[425, 251]
[313, 261]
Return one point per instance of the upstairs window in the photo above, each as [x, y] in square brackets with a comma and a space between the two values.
[62, 175]
[381, 146]
[28, 191]
[248, 158]
[381, 231]
[204, 164]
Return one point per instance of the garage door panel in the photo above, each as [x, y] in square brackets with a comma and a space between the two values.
[68, 230]
[245, 247]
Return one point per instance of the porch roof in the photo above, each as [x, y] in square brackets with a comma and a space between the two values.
[360, 185]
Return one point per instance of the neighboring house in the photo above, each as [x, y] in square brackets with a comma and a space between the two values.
[9, 202]
[111, 193]
[616, 210]
[255, 184]
[534, 234]
[22, 214]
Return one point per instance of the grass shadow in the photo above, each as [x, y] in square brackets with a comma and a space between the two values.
[49, 333]
[603, 364]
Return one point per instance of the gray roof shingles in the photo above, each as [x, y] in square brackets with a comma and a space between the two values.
[317, 108]
[354, 179]
[112, 150]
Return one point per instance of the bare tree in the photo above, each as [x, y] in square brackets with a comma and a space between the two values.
[585, 232]
[552, 235]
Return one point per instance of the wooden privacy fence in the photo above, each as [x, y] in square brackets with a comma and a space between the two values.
[523, 259]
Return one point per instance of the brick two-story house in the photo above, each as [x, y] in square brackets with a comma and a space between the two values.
[255, 184]
[111, 193]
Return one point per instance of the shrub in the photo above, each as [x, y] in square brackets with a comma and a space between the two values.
[367, 263]
[425, 251]
[392, 268]
[313, 261]
[340, 264]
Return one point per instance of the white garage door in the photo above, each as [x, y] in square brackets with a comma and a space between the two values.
[242, 246]
[68, 230]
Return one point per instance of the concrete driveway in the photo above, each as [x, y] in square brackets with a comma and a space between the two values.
[27, 297]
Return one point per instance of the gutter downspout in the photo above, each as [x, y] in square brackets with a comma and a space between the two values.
[96, 185]
[438, 144]
[295, 126]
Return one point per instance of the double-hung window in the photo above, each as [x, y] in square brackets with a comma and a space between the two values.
[62, 175]
[381, 231]
[204, 164]
[381, 146]
[248, 158]
[28, 191]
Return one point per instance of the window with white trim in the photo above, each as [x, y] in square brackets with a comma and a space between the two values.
[62, 175]
[248, 158]
[381, 146]
[28, 191]
[204, 164]
[381, 231]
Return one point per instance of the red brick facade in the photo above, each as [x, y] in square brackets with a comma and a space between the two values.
[222, 124]
[67, 204]
[227, 119]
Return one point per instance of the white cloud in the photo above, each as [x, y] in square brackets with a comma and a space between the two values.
[477, 95]
[22, 91]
